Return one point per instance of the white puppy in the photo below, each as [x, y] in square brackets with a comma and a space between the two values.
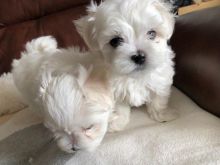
[132, 36]
[67, 90]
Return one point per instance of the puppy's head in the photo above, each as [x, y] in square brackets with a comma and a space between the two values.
[131, 34]
[74, 110]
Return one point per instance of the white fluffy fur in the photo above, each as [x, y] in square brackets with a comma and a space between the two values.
[68, 89]
[131, 84]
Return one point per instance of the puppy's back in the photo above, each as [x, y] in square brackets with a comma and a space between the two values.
[25, 70]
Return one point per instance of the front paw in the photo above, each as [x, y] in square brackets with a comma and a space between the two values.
[118, 122]
[163, 115]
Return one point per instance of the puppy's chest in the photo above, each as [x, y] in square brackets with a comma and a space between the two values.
[134, 92]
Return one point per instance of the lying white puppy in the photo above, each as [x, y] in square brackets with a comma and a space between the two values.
[68, 89]
[132, 36]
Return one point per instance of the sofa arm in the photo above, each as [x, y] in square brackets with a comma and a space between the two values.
[196, 42]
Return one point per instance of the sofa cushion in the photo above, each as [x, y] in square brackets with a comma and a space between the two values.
[59, 24]
[191, 139]
[13, 11]
[196, 42]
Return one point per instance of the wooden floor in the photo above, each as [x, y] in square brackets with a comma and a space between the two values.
[198, 6]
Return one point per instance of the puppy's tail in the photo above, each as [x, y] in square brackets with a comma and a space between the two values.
[36, 48]
[42, 45]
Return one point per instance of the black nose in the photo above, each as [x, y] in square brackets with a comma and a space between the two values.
[138, 58]
[74, 149]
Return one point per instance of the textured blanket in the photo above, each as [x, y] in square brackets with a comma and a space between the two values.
[192, 139]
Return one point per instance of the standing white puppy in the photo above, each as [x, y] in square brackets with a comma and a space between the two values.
[67, 91]
[132, 36]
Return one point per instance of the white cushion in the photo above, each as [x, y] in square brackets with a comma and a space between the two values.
[193, 138]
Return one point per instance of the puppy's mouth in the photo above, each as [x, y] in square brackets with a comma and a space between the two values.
[139, 68]
[136, 69]
[75, 149]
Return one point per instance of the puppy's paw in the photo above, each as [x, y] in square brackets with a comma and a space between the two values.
[118, 121]
[163, 115]
[117, 124]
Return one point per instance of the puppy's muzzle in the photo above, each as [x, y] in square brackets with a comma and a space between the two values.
[139, 58]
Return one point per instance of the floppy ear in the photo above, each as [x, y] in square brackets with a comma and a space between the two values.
[86, 26]
[46, 79]
[168, 18]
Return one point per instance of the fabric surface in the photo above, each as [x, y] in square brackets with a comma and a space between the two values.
[13, 11]
[34, 20]
[10, 99]
[191, 139]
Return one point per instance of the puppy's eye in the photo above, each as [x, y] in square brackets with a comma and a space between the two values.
[89, 128]
[116, 41]
[151, 34]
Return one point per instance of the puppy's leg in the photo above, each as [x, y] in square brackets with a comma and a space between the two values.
[159, 110]
[120, 118]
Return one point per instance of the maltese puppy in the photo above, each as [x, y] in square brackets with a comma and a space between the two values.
[132, 37]
[67, 90]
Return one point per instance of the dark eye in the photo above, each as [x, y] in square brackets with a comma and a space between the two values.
[116, 41]
[151, 34]
[89, 127]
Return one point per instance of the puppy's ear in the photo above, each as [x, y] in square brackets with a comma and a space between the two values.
[86, 26]
[46, 79]
[53, 82]
[168, 18]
